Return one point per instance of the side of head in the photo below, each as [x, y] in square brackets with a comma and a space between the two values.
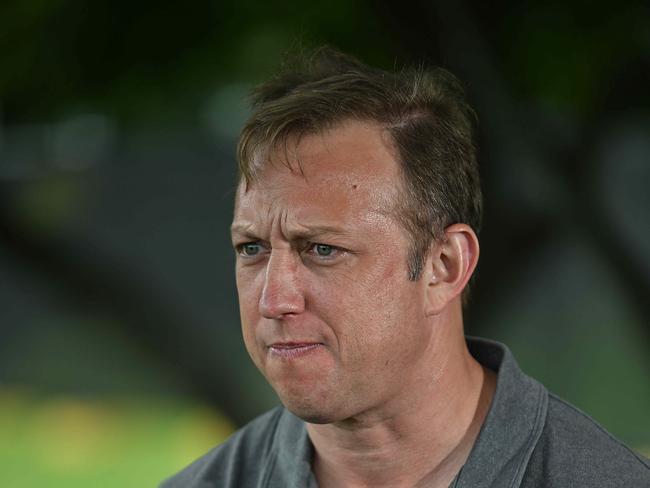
[423, 111]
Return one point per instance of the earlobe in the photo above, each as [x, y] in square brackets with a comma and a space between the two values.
[450, 265]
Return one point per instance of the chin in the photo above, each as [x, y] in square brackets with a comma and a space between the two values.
[312, 416]
[314, 412]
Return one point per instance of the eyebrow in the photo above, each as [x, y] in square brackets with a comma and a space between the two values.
[306, 232]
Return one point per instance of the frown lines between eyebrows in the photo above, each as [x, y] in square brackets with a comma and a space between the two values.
[300, 233]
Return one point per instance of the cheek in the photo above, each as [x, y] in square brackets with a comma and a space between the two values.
[248, 293]
[386, 290]
[248, 281]
[367, 307]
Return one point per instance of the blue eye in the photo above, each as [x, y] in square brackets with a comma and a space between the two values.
[249, 249]
[323, 250]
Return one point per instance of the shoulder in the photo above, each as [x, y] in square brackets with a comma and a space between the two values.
[238, 462]
[574, 450]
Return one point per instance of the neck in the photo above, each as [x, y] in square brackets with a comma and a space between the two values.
[422, 438]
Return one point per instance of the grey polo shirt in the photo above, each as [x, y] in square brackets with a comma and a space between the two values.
[530, 438]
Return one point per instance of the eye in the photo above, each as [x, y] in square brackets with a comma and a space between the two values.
[249, 249]
[323, 250]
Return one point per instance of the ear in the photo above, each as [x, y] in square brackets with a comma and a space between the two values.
[450, 266]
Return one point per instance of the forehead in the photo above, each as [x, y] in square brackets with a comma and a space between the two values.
[350, 168]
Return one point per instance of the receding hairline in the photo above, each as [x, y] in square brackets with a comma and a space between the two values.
[290, 142]
[265, 152]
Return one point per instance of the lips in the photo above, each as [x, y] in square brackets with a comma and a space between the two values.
[289, 350]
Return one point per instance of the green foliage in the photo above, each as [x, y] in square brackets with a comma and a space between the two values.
[74, 442]
[155, 62]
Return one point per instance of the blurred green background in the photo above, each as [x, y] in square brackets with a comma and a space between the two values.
[120, 351]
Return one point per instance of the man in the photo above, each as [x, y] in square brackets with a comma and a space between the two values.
[355, 233]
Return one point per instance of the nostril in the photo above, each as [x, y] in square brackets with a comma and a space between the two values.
[274, 307]
[279, 301]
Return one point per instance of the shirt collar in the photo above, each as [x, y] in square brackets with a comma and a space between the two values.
[291, 465]
[513, 424]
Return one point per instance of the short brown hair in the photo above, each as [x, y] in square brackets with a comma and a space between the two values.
[424, 111]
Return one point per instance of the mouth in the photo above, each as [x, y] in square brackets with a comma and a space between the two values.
[290, 350]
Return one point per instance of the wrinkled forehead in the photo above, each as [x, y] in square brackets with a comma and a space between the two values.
[349, 149]
[349, 167]
[314, 194]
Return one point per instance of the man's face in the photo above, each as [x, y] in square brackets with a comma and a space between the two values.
[328, 313]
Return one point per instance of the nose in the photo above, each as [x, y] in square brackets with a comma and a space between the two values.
[282, 294]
